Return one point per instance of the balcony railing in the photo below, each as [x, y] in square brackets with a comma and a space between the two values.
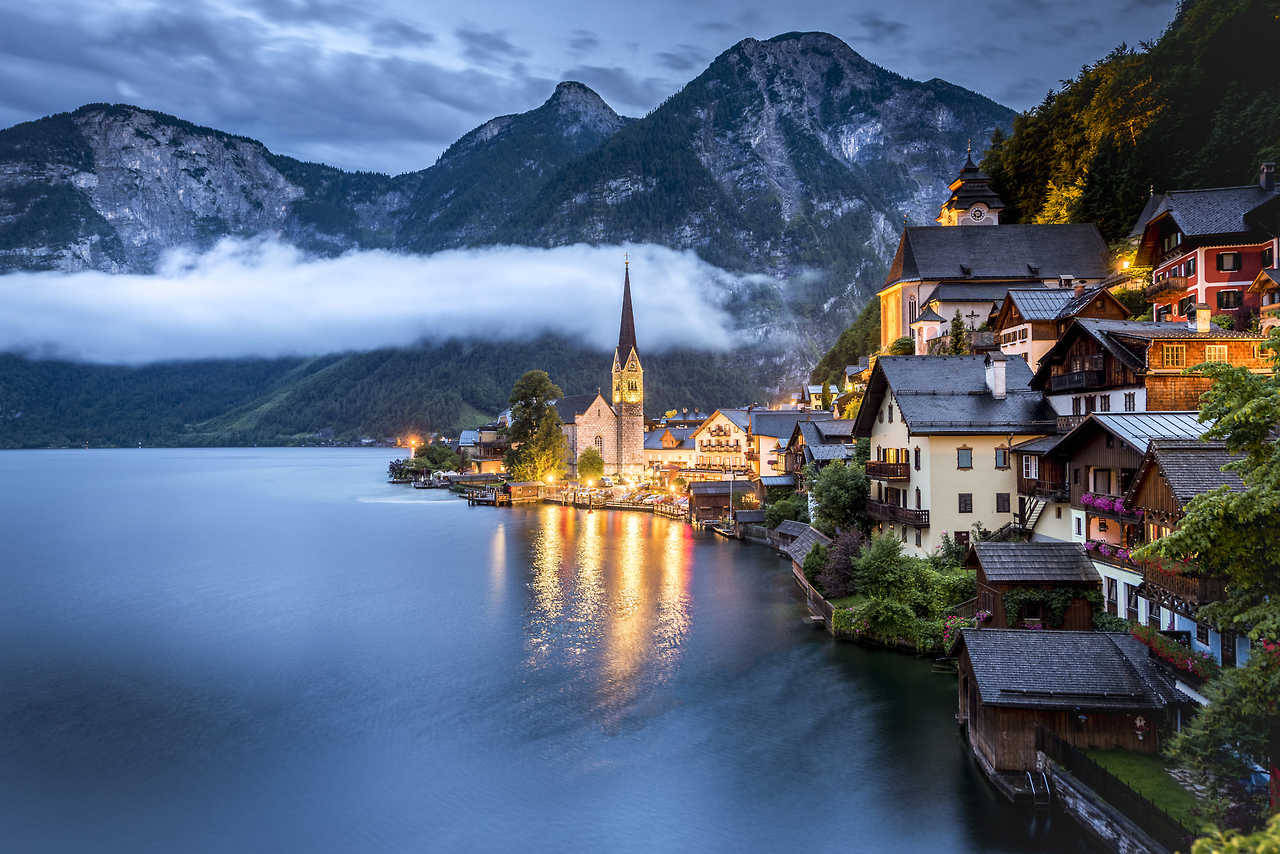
[1193, 589]
[1168, 286]
[1075, 380]
[1067, 423]
[1049, 490]
[893, 513]
[888, 471]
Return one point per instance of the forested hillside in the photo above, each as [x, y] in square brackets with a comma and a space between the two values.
[1199, 107]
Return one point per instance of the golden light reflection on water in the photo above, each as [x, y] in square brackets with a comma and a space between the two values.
[609, 596]
[497, 564]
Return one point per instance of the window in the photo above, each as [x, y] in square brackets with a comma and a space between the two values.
[598, 441]
[1268, 257]
[1090, 403]
[1202, 633]
[1215, 353]
[1131, 603]
[1102, 481]
[1163, 312]
[1153, 615]
[1104, 403]
[1075, 476]
[1228, 262]
[1174, 355]
[1191, 266]
[917, 538]
[917, 456]
[1113, 596]
[1078, 531]
[904, 533]
[911, 309]
[917, 498]
[966, 502]
[1002, 458]
[1185, 305]
[1130, 401]
[1002, 502]
[1171, 241]
[1229, 299]
[891, 413]
[964, 458]
[1030, 466]
[1077, 406]
[1057, 512]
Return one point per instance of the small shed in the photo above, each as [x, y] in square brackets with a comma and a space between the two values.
[798, 549]
[710, 499]
[1034, 568]
[1092, 689]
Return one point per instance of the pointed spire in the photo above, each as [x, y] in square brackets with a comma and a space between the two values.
[627, 328]
[968, 160]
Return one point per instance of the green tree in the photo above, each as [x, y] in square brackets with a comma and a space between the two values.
[538, 446]
[826, 396]
[793, 508]
[590, 465]
[438, 457]
[1265, 841]
[840, 493]
[958, 344]
[903, 346]
[1230, 534]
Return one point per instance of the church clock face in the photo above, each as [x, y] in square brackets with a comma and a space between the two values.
[977, 213]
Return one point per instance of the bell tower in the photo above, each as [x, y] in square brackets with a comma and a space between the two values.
[628, 387]
[972, 201]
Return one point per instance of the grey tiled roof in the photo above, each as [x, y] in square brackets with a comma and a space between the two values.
[928, 316]
[769, 480]
[1065, 670]
[799, 548]
[828, 453]
[653, 439]
[718, 487]
[1044, 561]
[975, 292]
[1137, 429]
[840, 429]
[1040, 446]
[573, 405]
[1000, 251]
[1220, 210]
[1050, 303]
[1193, 468]
[949, 394]
[791, 528]
[748, 516]
[740, 417]
[780, 423]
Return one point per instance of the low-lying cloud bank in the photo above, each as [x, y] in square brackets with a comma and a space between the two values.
[263, 298]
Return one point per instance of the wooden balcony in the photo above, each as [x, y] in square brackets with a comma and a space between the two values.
[1076, 380]
[1048, 490]
[888, 471]
[1177, 590]
[1067, 423]
[1167, 287]
[893, 513]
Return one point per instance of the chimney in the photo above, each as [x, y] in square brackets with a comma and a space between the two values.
[1202, 317]
[1267, 176]
[995, 363]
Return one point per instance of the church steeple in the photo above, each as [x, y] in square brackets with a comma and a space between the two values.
[972, 201]
[628, 376]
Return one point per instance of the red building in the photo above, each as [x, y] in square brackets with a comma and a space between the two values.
[1208, 246]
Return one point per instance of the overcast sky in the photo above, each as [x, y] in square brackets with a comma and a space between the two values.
[388, 84]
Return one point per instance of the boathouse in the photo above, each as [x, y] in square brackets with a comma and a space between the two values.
[1029, 576]
[711, 499]
[1091, 689]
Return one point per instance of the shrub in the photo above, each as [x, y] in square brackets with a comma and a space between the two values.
[1182, 658]
[836, 578]
[792, 508]
[949, 554]
[814, 562]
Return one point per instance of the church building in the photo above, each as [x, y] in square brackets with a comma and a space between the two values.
[615, 427]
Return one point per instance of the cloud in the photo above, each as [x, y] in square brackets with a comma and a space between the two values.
[488, 47]
[620, 87]
[263, 298]
[683, 57]
[877, 29]
[582, 41]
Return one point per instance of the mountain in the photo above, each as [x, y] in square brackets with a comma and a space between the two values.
[1196, 108]
[786, 156]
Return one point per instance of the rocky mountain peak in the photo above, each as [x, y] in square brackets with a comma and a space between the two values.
[582, 108]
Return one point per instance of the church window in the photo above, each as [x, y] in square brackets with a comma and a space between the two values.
[599, 443]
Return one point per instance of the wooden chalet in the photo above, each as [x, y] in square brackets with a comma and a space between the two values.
[1031, 320]
[1091, 689]
[1171, 474]
[1045, 566]
[1266, 285]
[1136, 366]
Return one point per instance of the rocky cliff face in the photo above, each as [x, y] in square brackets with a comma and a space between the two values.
[793, 156]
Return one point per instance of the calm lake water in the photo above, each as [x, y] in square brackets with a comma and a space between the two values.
[273, 650]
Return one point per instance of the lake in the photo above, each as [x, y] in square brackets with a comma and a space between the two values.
[274, 650]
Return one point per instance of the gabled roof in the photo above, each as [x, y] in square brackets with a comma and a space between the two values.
[717, 487]
[573, 405]
[927, 316]
[1190, 468]
[791, 527]
[779, 423]
[1065, 670]
[834, 430]
[771, 480]
[653, 439]
[468, 437]
[1265, 280]
[949, 395]
[799, 548]
[1199, 213]
[1135, 429]
[1040, 561]
[1051, 303]
[1015, 252]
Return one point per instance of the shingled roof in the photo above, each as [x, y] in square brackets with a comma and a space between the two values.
[949, 394]
[799, 548]
[573, 405]
[1190, 468]
[791, 528]
[1040, 561]
[653, 439]
[1015, 252]
[1065, 670]
[1198, 213]
[780, 423]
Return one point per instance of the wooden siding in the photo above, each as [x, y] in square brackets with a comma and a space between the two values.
[1175, 392]
[1095, 454]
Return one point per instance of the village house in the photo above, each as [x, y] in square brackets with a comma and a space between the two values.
[721, 444]
[1093, 690]
[615, 427]
[817, 443]
[1170, 475]
[1097, 463]
[767, 433]
[1027, 572]
[941, 429]
[1137, 366]
[1206, 247]
[712, 499]
[668, 450]
[1266, 286]
[956, 266]
[484, 447]
[1031, 320]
